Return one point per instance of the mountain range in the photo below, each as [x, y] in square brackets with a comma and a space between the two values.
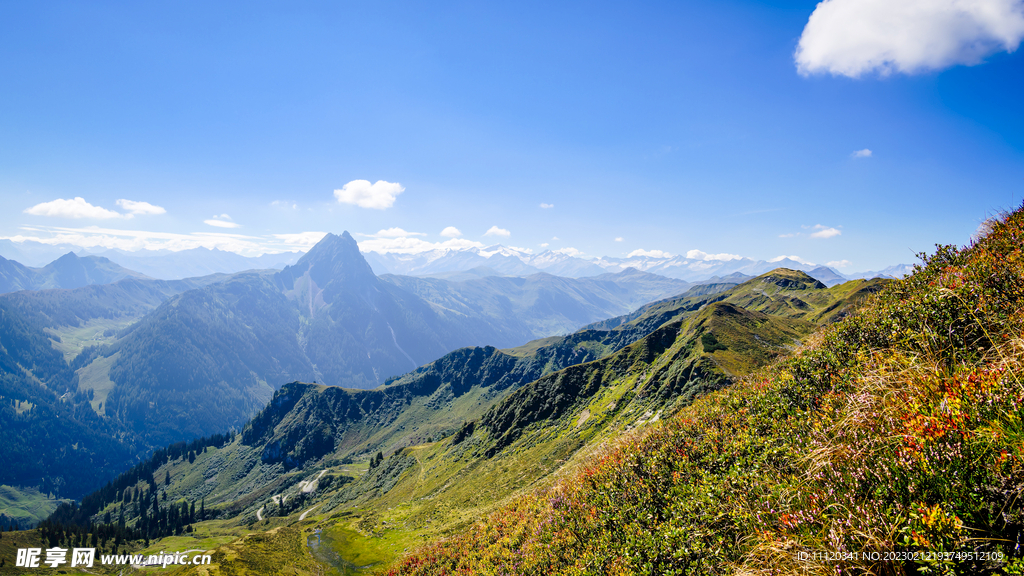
[125, 367]
[496, 259]
[430, 451]
[711, 428]
[69, 271]
[162, 264]
[520, 262]
[210, 357]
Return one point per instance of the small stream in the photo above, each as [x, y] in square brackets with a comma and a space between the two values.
[322, 547]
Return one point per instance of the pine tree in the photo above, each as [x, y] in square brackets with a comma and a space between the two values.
[167, 479]
[376, 460]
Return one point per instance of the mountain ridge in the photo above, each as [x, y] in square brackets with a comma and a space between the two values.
[504, 260]
[70, 271]
[467, 430]
[208, 358]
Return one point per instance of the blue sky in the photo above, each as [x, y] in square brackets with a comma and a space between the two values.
[673, 126]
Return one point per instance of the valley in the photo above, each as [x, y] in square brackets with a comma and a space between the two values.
[512, 288]
[134, 364]
[380, 471]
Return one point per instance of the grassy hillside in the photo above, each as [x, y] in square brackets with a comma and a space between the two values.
[24, 506]
[896, 430]
[380, 472]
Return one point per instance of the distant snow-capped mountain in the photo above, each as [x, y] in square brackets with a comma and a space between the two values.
[497, 259]
[512, 261]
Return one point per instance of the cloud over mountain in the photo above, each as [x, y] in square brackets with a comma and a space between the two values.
[824, 232]
[303, 239]
[410, 245]
[395, 233]
[649, 253]
[379, 195]
[700, 255]
[793, 258]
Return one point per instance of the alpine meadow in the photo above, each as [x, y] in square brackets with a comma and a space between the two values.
[512, 288]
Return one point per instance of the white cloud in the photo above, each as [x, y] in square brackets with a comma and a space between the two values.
[839, 263]
[79, 208]
[221, 223]
[700, 255]
[649, 253]
[395, 233]
[301, 239]
[75, 208]
[495, 231]
[414, 245]
[544, 245]
[619, 239]
[856, 37]
[134, 207]
[568, 252]
[284, 204]
[379, 195]
[543, 205]
[131, 240]
[794, 258]
[865, 153]
[790, 235]
[554, 237]
[451, 232]
[824, 232]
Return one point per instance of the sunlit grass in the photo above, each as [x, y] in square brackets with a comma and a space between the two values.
[899, 429]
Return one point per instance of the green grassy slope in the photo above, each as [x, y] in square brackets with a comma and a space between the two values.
[896, 430]
[24, 506]
[467, 432]
[440, 488]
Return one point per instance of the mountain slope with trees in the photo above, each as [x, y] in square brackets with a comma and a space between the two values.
[209, 358]
[45, 407]
[449, 440]
[128, 366]
[895, 430]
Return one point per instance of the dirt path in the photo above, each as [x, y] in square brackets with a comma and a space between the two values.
[303, 515]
